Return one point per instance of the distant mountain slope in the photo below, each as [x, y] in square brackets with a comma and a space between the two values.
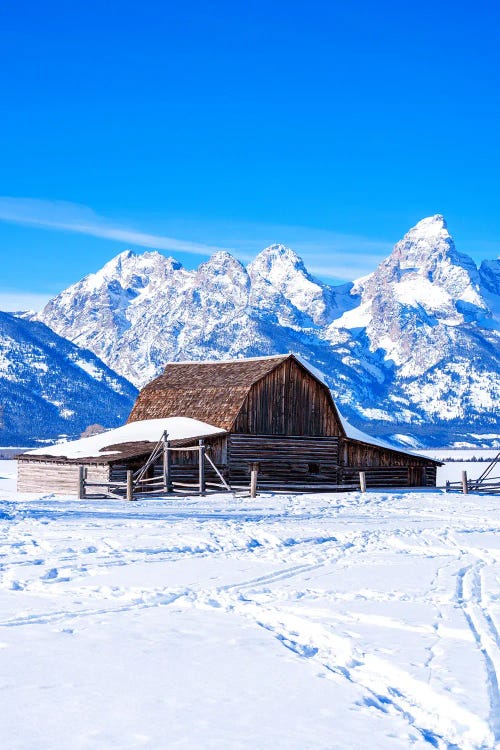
[413, 347]
[49, 386]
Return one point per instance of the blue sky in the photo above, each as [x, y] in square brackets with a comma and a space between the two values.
[332, 127]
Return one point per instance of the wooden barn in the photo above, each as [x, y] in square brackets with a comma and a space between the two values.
[274, 412]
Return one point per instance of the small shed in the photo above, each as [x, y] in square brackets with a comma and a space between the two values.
[276, 412]
[107, 456]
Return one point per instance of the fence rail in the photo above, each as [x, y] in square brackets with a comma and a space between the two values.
[138, 483]
[483, 485]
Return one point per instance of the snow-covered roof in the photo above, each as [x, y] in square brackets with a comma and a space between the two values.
[354, 434]
[144, 431]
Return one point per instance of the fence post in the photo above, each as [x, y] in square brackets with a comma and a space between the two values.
[362, 481]
[447, 485]
[465, 489]
[201, 467]
[254, 470]
[81, 483]
[130, 484]
[167, 466]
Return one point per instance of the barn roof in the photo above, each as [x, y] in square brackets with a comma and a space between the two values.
[134, 439]
[213, 392]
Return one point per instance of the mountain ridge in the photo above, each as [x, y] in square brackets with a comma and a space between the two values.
[414, 343]
[50, 387]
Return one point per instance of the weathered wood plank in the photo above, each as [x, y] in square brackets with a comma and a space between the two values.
[60, 478]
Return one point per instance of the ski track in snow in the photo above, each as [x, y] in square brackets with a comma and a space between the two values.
[480, 622]
[394, 594]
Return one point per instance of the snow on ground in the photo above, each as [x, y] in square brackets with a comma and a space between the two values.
[8, 475]
[289, 622]
[452, 471]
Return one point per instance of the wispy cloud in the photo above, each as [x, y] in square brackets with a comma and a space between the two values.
[12, 301]
[330, 255]
[72, 217]
[348, 270]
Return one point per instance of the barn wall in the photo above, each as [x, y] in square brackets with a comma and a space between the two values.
[288, 401]
[284, 461]
[294, 462]
[386, 468]
[51, 476]
[216, 447]
[430, 476]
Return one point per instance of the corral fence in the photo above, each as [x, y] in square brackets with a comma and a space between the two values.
[486, 484]
[139, 484]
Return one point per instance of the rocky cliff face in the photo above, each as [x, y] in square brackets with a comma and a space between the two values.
[414, 343]
[425, 309]
[141, 311]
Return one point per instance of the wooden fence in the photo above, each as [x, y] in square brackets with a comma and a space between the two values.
[485, 484]
[490, 487]
[139, 484]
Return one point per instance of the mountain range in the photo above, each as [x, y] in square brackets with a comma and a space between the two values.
[411, 351]
[51, 388]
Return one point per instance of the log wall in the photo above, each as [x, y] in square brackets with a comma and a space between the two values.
[392, 476]
[360, 454]
[386, 468]
[284, 462]
[52, 476]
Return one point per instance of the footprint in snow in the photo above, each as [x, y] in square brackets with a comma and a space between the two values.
[50, 575]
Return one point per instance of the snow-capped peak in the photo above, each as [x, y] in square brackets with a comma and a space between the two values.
[425, 245]
[122, 262]
[278, 254]
[129, 269]
[221, 262]
[280, 270]
[431, 227]
[416, 295]
[427, 256]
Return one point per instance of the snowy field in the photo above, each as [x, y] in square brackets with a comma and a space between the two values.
[452, 471]
[307, 622]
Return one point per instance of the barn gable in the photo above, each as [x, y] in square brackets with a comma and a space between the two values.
[289, 400]
[270, 395]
